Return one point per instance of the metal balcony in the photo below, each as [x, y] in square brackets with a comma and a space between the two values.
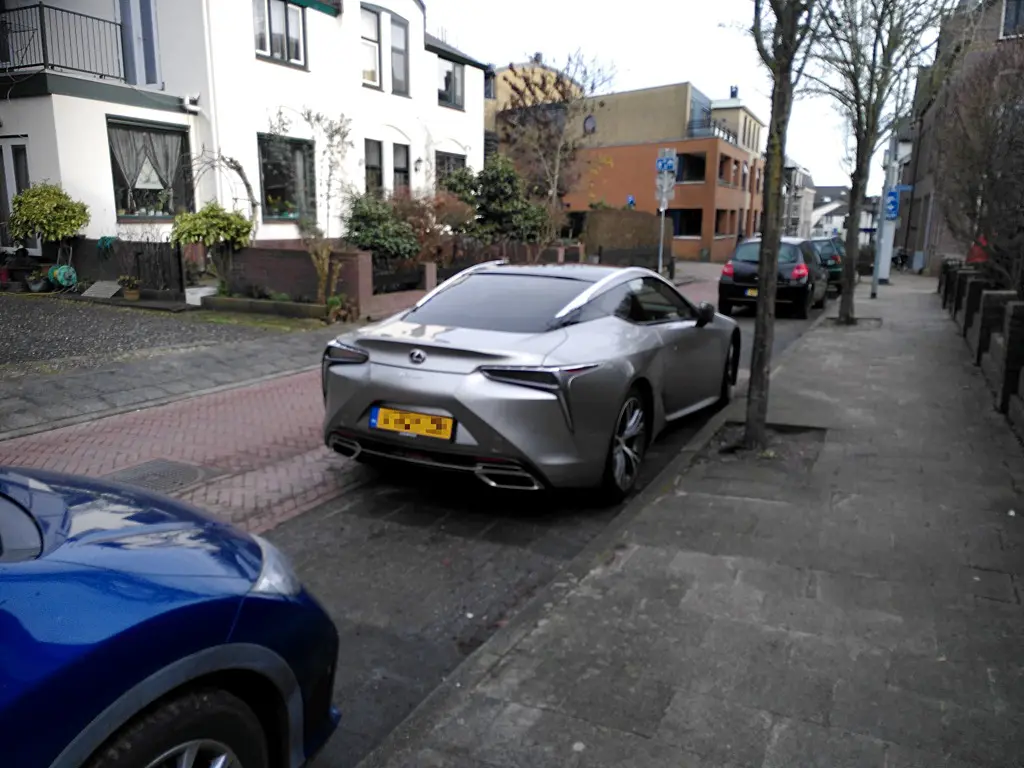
[43, 37]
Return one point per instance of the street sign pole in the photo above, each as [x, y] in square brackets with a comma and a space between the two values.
[887, 226]
[665, 176]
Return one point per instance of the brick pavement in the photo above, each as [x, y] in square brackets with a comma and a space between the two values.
[851, 600]
[260, 448]
[37, 402]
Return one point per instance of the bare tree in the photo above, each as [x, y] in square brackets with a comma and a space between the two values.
[544, 123]
[783, 31]
[980, 143]
[867, 55]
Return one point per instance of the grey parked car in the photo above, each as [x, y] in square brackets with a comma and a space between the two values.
[529, 377]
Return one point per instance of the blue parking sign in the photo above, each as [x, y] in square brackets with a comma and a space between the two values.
[892, 205]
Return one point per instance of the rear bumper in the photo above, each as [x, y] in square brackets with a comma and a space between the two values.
[505, 435]
[739, 294]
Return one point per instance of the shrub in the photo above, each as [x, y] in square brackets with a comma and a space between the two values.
[374, 225]
[46, 211]
[213, 226]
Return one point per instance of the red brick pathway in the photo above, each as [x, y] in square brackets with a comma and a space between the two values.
[263, 441]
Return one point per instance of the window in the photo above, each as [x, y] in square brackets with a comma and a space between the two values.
[374, 166]
[279, 29]
[1013, 18]
[691, 167]
[371, 48]
[14, 178]
[152, 170]
[445, 163]
[138, 43]
[751, 253]
[451, 84]
[687, 222]
[746, 175]
[499, 302]
[721, 222]
[489, 85]
[656, 302]
[401, 167]
[287, 171]
[399, 57]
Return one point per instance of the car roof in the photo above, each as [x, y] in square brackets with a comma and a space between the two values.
[785, 239]
[589, 273]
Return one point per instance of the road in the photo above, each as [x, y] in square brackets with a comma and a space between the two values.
[420, 570]
[417, 570]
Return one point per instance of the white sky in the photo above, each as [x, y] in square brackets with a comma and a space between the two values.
[702, 42]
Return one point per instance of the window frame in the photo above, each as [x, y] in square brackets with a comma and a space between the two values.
[458, 81]
[267, 54]
[668, 292]
[396, 168]
[379, 167]
[364, 41]
[185, 169]
[311, 191]
[1003, 35]
[398, 21]
[450, 166]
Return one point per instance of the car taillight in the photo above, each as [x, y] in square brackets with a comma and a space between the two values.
[727, 270]
[800, 272]
[555, 380]
[836, 260]
[337, 352]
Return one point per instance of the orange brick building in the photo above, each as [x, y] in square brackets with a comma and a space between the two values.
[720, 170]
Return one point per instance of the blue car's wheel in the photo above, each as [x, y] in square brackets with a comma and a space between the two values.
[202, 729]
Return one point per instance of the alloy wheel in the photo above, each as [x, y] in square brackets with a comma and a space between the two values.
[204, 753]
[630, 441]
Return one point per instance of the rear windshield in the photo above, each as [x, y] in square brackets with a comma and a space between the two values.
[500, 302]
[751, 253]
[825, 247]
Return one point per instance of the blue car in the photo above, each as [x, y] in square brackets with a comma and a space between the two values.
[137, 633]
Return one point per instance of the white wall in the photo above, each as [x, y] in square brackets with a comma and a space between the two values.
[33, 119]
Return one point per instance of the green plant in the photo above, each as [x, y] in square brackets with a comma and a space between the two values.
[222, 232]
[503, 210]
[278, 296]
[462, 183]
[48, 212]
[374, 225]
[128, 282]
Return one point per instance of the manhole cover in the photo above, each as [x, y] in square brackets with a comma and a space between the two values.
[161, 475]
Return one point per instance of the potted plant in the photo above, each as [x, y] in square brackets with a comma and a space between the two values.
[47, 212]
[223, 233]
[129, 287]
[37, 281]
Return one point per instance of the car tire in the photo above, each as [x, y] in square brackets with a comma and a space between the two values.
[619, 482]
[725, 391]
[803, 309]
[824, 299]
[210, 720]
[725, 307]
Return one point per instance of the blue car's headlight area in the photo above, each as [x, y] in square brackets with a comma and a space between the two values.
[277, 577]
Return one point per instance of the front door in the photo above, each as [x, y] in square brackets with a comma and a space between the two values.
[14, 178]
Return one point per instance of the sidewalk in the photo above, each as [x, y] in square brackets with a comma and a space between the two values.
[36, 402]
[849, 599]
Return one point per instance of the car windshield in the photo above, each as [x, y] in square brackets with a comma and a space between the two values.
[825, 247]
[500, 302]
[751, 253]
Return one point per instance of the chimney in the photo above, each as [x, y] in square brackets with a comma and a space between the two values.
[538, 58]
[734, 92]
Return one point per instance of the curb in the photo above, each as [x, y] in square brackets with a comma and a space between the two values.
[146, 404]
[601, 550]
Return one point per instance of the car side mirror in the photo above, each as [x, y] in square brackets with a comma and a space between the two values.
[705, 314]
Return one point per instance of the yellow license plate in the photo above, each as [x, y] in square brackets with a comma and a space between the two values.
[422, 424]
[752, 292]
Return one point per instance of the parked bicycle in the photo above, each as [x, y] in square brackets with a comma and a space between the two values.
[900, 262]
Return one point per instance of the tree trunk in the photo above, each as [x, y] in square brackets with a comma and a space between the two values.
[756, 434]
[857, 179]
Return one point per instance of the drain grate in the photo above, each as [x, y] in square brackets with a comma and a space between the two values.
[161, 475]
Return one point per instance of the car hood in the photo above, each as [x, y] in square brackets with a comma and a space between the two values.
[98, 524]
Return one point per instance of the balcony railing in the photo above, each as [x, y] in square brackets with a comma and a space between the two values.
[710, 129]
[44, 37]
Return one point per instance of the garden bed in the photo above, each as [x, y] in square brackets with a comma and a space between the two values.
[266, 307]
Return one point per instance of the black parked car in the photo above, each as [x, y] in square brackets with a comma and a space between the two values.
[803, 278]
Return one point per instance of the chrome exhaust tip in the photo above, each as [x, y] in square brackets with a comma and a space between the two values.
[507, 478]
[350, 449]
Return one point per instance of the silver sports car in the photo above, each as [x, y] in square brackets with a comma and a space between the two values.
[529, 377]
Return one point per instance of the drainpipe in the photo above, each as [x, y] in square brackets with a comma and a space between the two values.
[913, 190]
[212, 111]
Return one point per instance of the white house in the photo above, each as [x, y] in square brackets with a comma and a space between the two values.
[125, 102]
